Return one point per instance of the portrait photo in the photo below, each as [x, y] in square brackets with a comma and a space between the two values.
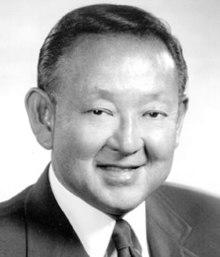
[110, 121]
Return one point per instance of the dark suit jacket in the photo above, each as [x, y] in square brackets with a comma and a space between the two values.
[180, 223]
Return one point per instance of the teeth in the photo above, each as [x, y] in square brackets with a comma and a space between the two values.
[117, 169]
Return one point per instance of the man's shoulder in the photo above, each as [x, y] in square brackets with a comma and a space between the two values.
[188, 216]
[199, 209]
[13, 206]
[12, 225]
[183, 198]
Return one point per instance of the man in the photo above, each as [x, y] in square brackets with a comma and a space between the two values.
[110, 105]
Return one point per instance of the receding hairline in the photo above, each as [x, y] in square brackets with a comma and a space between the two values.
[103, 20]
[78, 43]
[96, 37]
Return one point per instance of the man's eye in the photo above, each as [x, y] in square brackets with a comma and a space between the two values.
[99, 112]
[155, 114]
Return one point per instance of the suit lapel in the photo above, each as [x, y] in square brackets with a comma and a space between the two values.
[49, 233]
[167, 231]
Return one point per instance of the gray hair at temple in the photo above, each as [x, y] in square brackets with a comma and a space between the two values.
[103, 19]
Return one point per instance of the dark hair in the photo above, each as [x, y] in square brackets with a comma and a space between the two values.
[103, 19]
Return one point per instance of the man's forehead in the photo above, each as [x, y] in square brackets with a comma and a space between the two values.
[144, 96]
[99, 63]
[112, 46]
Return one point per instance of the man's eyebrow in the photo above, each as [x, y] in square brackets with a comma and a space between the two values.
[145, 97]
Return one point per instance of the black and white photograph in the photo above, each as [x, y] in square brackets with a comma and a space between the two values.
[110, 128]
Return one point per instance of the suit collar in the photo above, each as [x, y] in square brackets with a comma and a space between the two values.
[49, 233]
[167, 231]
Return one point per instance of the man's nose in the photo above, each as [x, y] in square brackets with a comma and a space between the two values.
[126, 138]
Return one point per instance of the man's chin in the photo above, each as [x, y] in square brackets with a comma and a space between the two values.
[120, 207]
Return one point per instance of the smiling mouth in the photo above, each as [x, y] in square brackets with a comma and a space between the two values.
[117, 168]
[118, 176]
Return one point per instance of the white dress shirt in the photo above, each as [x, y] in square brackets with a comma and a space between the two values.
[93, 227]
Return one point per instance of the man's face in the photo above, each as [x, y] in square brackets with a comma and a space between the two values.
[117, 120]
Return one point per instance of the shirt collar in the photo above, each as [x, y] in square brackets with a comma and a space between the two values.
[93, 227]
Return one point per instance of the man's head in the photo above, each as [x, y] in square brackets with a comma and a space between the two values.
[102, 19]
[110, 104]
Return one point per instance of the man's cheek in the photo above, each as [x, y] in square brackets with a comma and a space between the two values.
[160, 144]
[82, 147]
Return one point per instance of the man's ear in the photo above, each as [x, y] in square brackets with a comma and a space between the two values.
[183, 106]
[41, 113]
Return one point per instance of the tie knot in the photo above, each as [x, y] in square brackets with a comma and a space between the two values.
[125, 240]
[122, 234]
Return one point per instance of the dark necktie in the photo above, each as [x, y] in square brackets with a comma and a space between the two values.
[126, 242]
